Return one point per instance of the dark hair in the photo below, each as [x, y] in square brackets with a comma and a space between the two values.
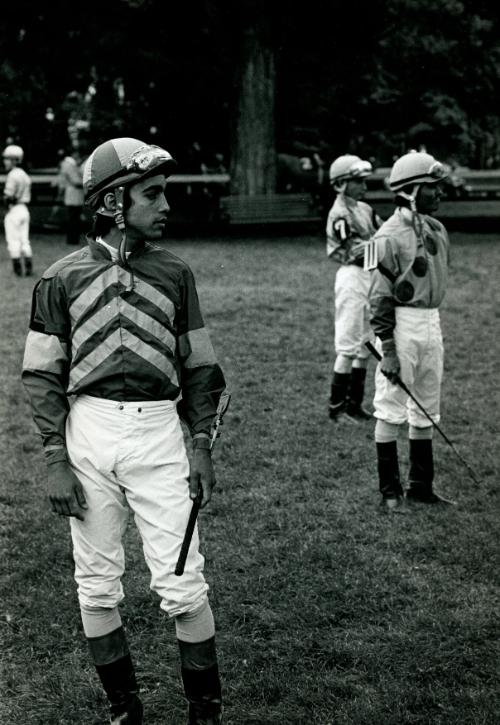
[401, 200]
[103, 224]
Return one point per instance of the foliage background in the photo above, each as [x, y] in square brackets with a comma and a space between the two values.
[378, 76]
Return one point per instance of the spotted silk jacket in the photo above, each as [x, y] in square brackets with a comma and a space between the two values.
[130, 333]
[412, 267]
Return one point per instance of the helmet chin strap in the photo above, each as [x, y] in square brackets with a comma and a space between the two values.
[412, 198]
[120, 223]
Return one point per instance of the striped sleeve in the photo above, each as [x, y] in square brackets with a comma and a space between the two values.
[45, 367]
[202, 381]
[381, 295]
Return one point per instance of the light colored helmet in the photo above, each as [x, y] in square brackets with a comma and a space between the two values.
[13, 152]
[414, 168]
[348, 167]
[119, 162]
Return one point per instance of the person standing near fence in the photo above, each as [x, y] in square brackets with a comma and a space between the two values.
[409, 257]
[17, 196]
[71, 183]
[350, 224]
[117, 325]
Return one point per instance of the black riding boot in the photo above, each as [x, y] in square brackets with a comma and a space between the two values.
[116, 672]
[28, 266]
[421, 473]
[388, 474]
[338, 394]
[17, 267]
[355, 393]
[200, 676]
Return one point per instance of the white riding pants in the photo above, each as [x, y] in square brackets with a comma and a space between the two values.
[419, 346]
[352, 316]
[17, 229]
[132, 456]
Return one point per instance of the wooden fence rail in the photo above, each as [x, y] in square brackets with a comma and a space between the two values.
[204, 199]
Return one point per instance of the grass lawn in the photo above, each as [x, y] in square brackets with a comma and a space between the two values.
[328, 611]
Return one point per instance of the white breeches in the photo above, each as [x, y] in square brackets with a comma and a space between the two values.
[419, 346]
[352, 317]
[17, 229]
[132, 456]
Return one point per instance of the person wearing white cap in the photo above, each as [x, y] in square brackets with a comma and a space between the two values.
[350, 224]
[17, 196]
[408, 258]
[117, 325]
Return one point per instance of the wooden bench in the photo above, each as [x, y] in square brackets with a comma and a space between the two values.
[477, 199]
[269, 209]
[482, 184]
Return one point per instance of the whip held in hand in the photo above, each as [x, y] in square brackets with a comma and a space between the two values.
[404, 387]
[214, 434]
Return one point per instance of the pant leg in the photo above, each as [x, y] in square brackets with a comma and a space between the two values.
[24, 232]
[154, 472]
[427, 383]
[12, 233]
[16, 224]
[413, 337]
[97, 541]
[390, 401]
[351, 311]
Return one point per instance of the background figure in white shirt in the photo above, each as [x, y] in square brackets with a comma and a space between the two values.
[17, 196]
[71, 184]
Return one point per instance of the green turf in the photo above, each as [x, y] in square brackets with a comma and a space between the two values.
[328, 611]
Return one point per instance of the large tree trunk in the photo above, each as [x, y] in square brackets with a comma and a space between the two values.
[253, 153]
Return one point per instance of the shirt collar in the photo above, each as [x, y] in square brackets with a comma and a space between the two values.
[112, 250]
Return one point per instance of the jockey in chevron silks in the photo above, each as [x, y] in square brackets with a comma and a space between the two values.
[117, 329]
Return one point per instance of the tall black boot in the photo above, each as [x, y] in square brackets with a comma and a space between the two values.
[17, 267]
[28, 266]
[388, 474]
[338, 394]
[200, 676]
[355, 393]
[421, 473]
[116, 672]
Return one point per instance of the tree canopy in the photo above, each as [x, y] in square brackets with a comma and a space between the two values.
[368, 77]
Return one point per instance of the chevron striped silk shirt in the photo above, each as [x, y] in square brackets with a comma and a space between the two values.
[124, 334]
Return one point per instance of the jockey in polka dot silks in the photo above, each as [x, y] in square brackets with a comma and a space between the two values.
[408, 258]
[350, 224]
[117, 329]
